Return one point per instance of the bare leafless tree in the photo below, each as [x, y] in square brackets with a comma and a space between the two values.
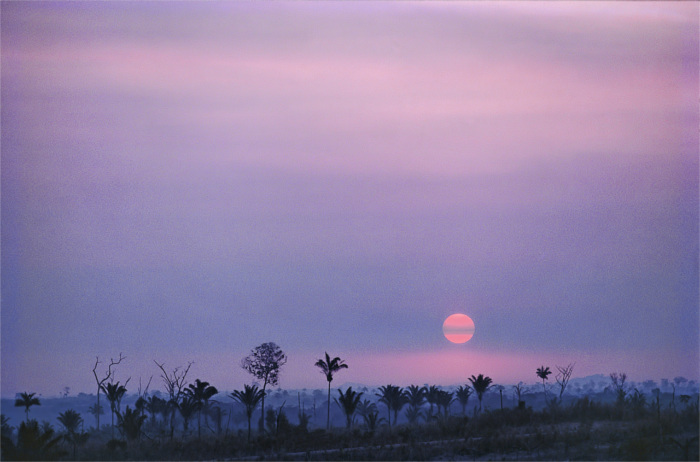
[519, 388]
[145, 390]
[563, 377]
[618, 386]
[108, 376]
[142, 393]
[175, 383]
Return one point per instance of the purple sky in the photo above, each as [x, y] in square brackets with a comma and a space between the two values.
[185, 181]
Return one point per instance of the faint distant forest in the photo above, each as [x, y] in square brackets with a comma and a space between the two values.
[608, 418]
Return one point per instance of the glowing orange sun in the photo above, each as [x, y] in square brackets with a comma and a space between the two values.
[458, 328]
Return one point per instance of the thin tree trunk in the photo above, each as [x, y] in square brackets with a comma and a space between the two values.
[544, 387]
[328, 420]
[263, 407]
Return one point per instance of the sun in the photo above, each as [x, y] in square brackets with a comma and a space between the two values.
[458, 328]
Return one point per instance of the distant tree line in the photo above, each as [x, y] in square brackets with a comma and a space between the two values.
[426, 405]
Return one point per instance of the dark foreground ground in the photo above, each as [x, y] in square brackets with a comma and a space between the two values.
[584, 430]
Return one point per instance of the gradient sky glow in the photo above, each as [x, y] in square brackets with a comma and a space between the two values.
[184, 181]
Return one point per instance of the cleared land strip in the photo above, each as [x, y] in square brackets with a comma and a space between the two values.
[302, 455]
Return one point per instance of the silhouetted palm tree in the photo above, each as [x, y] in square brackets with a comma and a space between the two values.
[114, 394]
[394, 399]
[187, 407]
[140, 404]
[202, 392]
[71, 420]
[463, 393]
[445, 399]
[431, 396]
[348, 403]
[415, 397]
[154, 406]
[480, 384]
[96, 409]
[329, 367]
[543, 372]
[250, 396]
[130, 423]
[372, 420]
[27, 400]
[34, 442]
[369, 413]
[366, 407]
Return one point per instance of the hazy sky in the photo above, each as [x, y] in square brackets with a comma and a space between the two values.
[185, 181]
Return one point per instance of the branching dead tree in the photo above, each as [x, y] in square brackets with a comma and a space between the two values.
[145, 391]
[519, 388]
[618, 386]
[141, 401]
[563, 377]
[100, 383]
[174, 383]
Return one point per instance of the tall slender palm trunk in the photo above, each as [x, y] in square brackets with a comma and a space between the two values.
[544, 387]
[328, 420]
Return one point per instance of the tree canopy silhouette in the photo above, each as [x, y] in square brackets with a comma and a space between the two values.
[264, 363]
